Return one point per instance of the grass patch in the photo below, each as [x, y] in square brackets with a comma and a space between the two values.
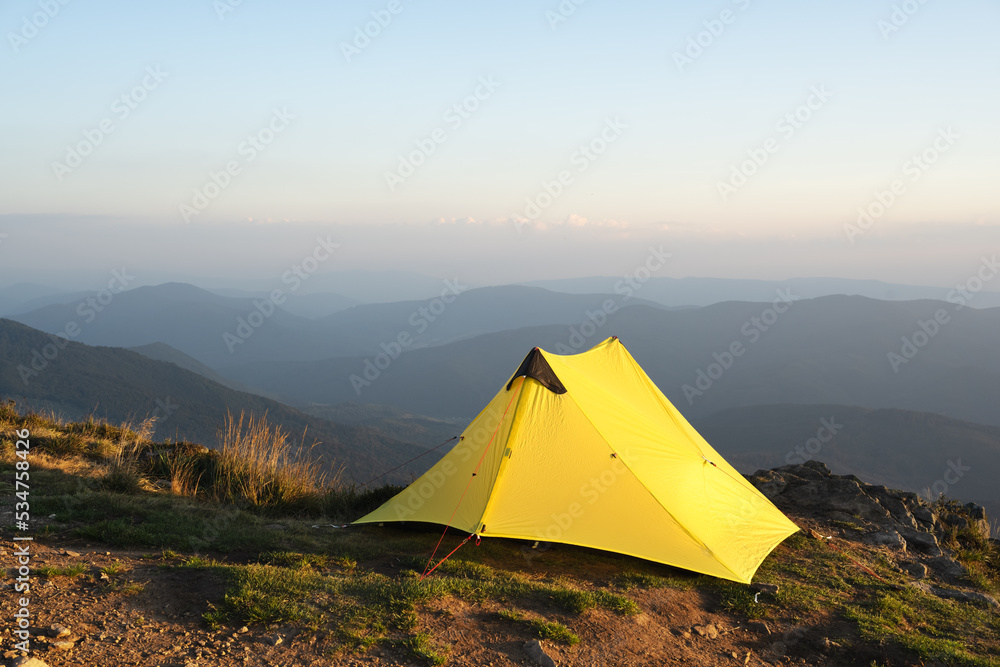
[423, 647]
[738, 599]
[294, 560]
[551, 630]
[556, 632]
[74, 570]
[631, 579]
[577, 601]
[931, 628]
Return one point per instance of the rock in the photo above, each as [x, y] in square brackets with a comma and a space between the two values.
[978, 520]
[71, 554]
[28, 662]
[686, 635]
[709, 630]
[765, 588]
[886, 538]
[947, 566]
[62, 645]
[818, 466]
[768, 482]
[915, 570]
[824, 644]
[58, 631]
[813, 534]
[898, 511]
[759, 627]
[274, 640]
[921, 541]
[835, 493]
[924, 515]
[536, 652]
[976, 512]
[966, 596]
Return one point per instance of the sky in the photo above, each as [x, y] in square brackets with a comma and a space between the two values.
[217, 141]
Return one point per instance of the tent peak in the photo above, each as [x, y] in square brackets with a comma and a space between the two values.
[535, 366]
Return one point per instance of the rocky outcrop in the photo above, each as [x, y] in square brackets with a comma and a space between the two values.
[899, 520]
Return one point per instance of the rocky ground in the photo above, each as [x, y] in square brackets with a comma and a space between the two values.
[125, 607]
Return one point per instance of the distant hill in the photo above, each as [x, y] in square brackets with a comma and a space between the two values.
[363, 329]
[120, 385]
[392, 422]
[311, 306]
[188, 319]
[22, 297]
[832, 350]
[708, 291]
[163, 352]
[220, 331]
[916, 451]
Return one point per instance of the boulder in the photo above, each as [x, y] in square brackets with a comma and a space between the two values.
[915, 570]
[768, 482]
[947, 566]
[921, 541]
[536, 652]
[924, 516]
[886, 538]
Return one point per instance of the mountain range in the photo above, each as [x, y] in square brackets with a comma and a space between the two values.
[75, 381]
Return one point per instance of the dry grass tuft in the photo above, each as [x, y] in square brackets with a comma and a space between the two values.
[258, 465]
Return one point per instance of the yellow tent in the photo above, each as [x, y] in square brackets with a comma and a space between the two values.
[584, 449]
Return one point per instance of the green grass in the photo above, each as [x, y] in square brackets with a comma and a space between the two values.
[931, 628]
[814, 578]
[294, 560]
[49, 572]
[552, 630]
[631, 579]
[577, 601]
[555, 631]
